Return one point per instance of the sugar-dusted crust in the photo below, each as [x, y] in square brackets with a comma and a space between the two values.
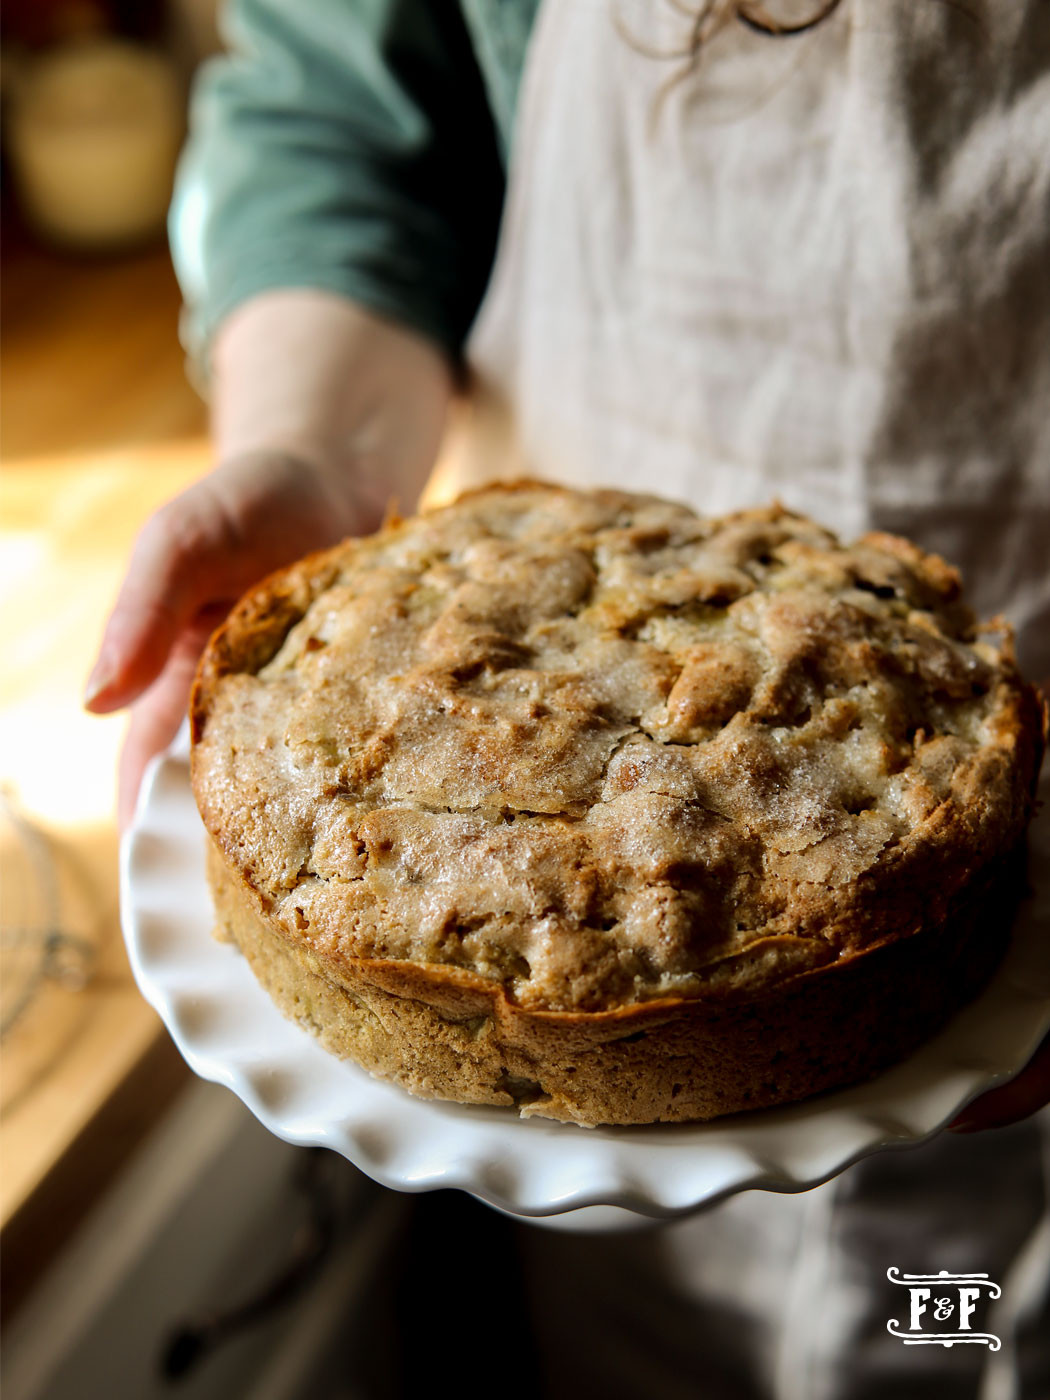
[697, 810]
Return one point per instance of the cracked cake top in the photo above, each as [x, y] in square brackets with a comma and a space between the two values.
[601, 750]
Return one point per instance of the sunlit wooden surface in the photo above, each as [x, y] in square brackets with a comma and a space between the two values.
[99, 427]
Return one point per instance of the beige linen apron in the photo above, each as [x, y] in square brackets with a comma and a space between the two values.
[817, 268]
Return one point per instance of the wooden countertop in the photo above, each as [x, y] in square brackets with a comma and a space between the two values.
[99, 428]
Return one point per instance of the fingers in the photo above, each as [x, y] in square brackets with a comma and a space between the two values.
[156, 718]
[1024, 1095]
[179, 562]
[246, 518]
[189, 564]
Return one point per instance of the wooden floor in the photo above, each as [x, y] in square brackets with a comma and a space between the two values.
[99, 427]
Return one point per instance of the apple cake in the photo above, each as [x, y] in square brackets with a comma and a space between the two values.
[583, 803]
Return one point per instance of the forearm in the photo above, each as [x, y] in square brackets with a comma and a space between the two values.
[312, 375]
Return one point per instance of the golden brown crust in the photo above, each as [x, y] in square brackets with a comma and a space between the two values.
[442, 1033]
[596, 758]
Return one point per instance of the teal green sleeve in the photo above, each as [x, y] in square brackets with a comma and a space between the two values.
[346, 145]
